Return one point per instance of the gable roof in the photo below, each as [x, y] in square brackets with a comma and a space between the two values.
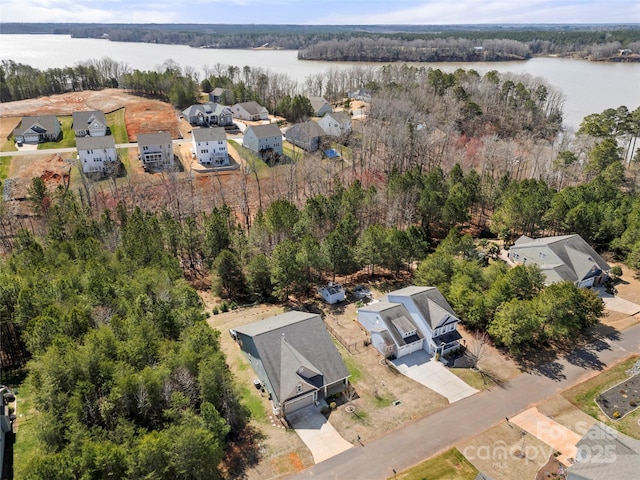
[157, 138]
[339, 117]
[88, 143]
[252, 108]
[208, 108]
[295, 347]
[619, 456]
[209, 134]
[84, 119]
[317, 103]
[264, 131]
[429, 302]
[305, 130]
[39, 124]
[561, 258]
[397, 321]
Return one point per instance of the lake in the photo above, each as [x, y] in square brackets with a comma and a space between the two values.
[589, 87]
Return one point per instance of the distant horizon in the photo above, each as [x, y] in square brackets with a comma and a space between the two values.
[325, 12]
[595, 24]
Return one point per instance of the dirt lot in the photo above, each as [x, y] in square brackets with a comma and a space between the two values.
[142, 115]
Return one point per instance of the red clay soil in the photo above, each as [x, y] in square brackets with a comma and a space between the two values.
[142, 115]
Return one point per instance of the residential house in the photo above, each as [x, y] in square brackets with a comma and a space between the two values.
[433, 316]
[336, 124]
[221, 95]
[392, 329]
[265, 140]
[332, 293]
[156, 150]
[43, 128]
[92, 124]
[250, 111]
[97, 154]
[210, 146]
[564, 258]
[320, 106]
[305, 135]
[605, 454]
[362, 94]
[208, 115]
[295, 359]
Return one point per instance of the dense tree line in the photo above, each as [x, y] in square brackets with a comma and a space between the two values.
[128, 378]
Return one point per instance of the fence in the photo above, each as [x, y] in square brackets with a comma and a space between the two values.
[352, 347]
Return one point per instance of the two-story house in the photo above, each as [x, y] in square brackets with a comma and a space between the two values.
[336, 124]
[156, 150]
[209, 115]
[97, 154]
[265, 140]
[210, 146]
[320, 106]
[92, 124]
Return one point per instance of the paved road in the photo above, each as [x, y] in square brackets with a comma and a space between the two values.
[424, 438]
[49, 151]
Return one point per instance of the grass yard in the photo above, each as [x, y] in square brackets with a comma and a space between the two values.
[27, 446]
[5, 163]
[583, 396]
[252, 400]
[472, 378]
[450, 465]
[118, 127]
[68, 135]
[251, 159]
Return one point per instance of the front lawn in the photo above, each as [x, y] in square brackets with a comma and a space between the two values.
[68, 136]
[117, 125]
[584, 396]
[450, 465]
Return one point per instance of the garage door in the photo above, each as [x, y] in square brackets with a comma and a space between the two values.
[298, 403]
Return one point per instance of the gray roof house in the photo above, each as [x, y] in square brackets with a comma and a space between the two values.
[562, 258]
[210, 146]
[332, 293]
[305, 135]
[336, 124]
[221, 95]
[320, 106]
[97, 154]
[605, 454]
[155, 150]
[295, 359]
[265, 140]
[209, 114]
[250, 111]
[37, 129]
[432, 314]
[393, 331]
[92, 124]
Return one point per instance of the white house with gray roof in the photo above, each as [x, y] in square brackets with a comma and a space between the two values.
[97, 154]
[336, 124]
[392, 329]
[156, 150]
[209, 115]
[250, 111]
[37, 129]
[210, 146]
[306, 135]
[564, 258]
[320, 106]
[295, 359]
[265, 140]
[433, 316]
[93, 123]
[605, 454]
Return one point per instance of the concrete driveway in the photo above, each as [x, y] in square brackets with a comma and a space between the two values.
[424, 369]
[550, 432]
[618, 304]
[317, 433]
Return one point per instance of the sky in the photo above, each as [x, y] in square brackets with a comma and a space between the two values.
[322, 12]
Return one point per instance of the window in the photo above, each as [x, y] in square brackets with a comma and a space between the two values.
[299, 388]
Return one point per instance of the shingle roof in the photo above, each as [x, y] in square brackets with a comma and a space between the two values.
[305, 130]
[41, 124]
[563, 257]
[83, 119]
[340, 117]
[431, 304]
[208, 108]
[252, 108]
[605, 454]
[88, 143]
[208, 134]
[263, 131]
[397, 320]
[295, 347]
[317, 103]
[158, 138]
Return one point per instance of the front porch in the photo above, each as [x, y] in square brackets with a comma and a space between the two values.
[448, 342]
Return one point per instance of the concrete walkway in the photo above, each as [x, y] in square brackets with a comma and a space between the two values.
[550, 432]
[419, 440]
[317, 434]
[424, 369]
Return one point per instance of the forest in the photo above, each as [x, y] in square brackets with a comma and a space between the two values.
[97, 294]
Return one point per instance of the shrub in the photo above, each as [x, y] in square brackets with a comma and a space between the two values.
[616, 414]
[332, 405]
[633, 404]
[224, 307]
[233, 305]
[215, 310]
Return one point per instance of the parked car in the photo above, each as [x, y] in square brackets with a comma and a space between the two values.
[361, 292]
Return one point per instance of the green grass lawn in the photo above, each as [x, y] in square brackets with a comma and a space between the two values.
[450, 465]
[252, 160]
[27, 446]
[584, 397]
[5, 163]
[68, 136]
[118, 127]
[471, 378]
[253, 402]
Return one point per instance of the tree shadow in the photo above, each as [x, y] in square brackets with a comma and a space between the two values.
[542, 362]
[585, 358]
[243, 453]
